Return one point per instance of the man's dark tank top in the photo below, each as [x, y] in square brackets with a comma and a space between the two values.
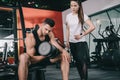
[37, 40]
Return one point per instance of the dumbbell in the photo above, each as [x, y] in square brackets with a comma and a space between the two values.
[47, 49]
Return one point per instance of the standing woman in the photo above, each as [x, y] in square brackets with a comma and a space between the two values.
[76, 36]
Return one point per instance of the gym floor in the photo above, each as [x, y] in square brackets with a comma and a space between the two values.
[53, 73]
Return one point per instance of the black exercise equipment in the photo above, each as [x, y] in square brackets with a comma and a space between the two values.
[7, 71]
[111, 58]
[47, 49]
[4, 57]
[37, 71]
[110, 43]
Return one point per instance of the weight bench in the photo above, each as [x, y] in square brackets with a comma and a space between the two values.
[37, 71]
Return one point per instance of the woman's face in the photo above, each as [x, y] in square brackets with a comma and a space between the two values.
[74, 6]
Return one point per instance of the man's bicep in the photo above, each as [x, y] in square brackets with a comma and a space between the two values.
[27, 42]
[29, 46]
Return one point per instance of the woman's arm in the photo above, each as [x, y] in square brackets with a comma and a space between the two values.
[90, 29]
[67, 35]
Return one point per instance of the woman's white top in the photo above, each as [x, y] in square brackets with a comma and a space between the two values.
[75, 27]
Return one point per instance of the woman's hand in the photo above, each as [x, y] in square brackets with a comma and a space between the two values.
[77, 37]
[67, 45]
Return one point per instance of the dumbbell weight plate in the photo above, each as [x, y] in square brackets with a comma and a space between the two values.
[44, 48]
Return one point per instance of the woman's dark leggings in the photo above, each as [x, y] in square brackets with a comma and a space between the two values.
[80, 54]
[82, 70]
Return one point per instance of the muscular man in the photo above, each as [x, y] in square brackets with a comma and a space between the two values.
[32, 41]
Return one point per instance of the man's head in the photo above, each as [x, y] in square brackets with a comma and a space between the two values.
[48, 25]
[49, 21]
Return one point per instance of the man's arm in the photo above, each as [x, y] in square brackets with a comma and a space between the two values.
[64, 53]
[54, 42]
[29, 42]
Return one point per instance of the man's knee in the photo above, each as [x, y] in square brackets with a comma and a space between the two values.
[63, 58]
[24, 58]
